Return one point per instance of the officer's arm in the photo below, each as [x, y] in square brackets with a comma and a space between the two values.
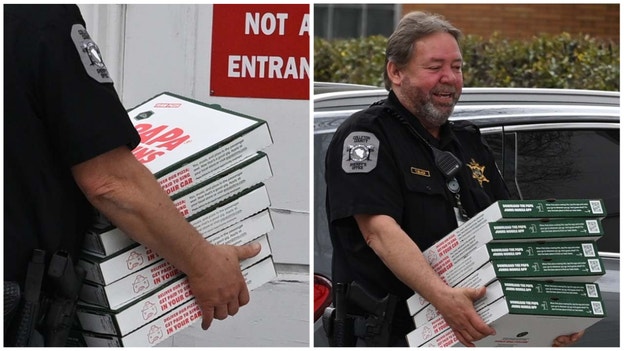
[403, 257]
[127, 193]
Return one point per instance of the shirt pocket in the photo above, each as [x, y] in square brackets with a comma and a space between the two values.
[423, 183]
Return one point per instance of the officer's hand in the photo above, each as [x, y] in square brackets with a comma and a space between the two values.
[216, 279]
[459, 313]
[567, 340]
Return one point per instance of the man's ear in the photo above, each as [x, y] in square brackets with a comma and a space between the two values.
[394, 73]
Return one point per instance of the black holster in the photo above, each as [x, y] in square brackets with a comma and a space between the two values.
[20, 324]
[358, 315]
[47, 306]
[65, 280]
[337, 323]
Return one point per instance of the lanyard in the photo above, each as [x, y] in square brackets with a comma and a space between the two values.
[453, 186]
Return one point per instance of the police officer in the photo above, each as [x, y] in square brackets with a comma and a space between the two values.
[400, 176]
[68, 142]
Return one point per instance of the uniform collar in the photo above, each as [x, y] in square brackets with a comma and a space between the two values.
[446, 133]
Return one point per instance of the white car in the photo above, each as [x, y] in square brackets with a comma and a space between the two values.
[548, 143]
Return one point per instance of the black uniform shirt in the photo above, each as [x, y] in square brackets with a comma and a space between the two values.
[60, 109]
[376, 164]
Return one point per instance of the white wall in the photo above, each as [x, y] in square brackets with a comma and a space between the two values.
[150, 49]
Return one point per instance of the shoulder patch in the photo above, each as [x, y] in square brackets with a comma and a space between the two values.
[89, 54]
[359, 153]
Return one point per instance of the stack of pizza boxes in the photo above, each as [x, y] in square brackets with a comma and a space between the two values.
[539, 262]
[210, 162]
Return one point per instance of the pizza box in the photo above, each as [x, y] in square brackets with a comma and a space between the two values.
[523, 319]
[185, 142]
[176, 320]
[453, 271]
[561, 268]
[479, 231]
[134, 286]
[515, 250]
[225, 186]
[129, 318]
[197, 198]
[255, 199]
[550, 208]
[430, 316]
[499, 287]
[107, 270]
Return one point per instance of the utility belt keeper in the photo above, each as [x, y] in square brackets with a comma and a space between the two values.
[356, 314]
[43, 314]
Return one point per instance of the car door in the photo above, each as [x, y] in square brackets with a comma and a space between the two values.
[562, 161]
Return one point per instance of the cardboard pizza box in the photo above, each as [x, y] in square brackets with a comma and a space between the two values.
[480, 230]
[498, 287]
[185, 141]
[255, 199]
[148, 308]
[524, 318]
[176, 320]
[562, 268]
[453, 271]
[127, 289]
[109, 269]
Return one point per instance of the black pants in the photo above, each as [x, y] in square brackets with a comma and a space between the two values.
[394, 341]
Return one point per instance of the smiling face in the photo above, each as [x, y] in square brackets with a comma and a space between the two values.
[431, 83]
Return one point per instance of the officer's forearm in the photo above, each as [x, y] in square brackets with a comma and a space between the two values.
[401, 255]
[407, 262]
[127, 193]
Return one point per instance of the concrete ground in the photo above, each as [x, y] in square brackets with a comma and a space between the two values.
[277, 315]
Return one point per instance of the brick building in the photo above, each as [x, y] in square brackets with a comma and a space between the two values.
[513, 21]
[518, 21]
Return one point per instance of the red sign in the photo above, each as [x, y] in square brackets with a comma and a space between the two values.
[261, 51]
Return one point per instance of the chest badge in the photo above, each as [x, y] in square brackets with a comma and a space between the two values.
[478, 172]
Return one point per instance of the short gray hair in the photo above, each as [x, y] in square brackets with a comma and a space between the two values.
[412, 27]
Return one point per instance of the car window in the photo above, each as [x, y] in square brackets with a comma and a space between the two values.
[494, 139]
[560, 164]
[503, 148]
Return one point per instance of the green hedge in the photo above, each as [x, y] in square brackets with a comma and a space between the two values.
[546, 61]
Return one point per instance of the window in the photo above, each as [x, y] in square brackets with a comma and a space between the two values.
[344, 21]
[565, 164]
